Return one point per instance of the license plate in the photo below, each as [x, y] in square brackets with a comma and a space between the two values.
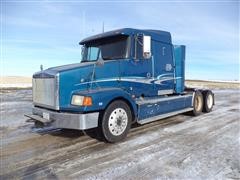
[46, 115]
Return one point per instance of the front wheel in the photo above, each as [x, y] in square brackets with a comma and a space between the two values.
[116, 121]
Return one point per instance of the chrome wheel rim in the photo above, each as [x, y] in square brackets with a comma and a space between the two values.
[118, 121]
[210, 101]
[198, 104]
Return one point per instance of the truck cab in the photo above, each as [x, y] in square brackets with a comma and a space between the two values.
[125, 76]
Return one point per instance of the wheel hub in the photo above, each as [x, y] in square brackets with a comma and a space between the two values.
[210, 101]
[118, 121]
[198, 103]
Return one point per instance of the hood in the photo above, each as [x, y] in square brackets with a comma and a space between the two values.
[52, 72]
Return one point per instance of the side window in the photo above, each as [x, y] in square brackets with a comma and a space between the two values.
[139, 46]
[93, 53]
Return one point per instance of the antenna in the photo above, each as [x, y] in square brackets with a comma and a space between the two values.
[41, 67]
[103, 27]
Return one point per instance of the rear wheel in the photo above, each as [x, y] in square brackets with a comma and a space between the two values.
[116, 121]
[197, 103]
[208, 99]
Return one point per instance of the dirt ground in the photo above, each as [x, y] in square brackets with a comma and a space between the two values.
[180, 147]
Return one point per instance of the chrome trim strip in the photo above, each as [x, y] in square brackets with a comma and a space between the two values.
[166, 91]
[159, 81]
[137, 79]
[155, 118]
[167, 74]
[161, 99]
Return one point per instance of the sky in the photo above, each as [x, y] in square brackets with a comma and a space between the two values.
[35, 32]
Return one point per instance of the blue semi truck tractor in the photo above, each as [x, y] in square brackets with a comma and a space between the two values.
[125, 76]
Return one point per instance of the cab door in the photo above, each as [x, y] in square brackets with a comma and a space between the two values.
[136, 72]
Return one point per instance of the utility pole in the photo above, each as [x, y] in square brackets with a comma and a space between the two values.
[103, 27]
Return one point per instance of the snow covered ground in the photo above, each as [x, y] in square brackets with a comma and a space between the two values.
[180, 147]
[15, 82]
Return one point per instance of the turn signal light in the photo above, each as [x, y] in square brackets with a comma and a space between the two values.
[87, 101]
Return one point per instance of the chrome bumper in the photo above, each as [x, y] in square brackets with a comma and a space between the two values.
[65, 120]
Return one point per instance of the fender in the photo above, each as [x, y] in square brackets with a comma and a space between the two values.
[101, 98]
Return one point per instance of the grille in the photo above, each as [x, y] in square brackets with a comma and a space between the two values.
[45, 92]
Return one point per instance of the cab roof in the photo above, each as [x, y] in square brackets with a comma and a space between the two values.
[157, 35]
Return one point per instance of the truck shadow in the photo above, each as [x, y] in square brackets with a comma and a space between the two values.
[70, 133]
[66, 133]
[95, 133]
[73, 134]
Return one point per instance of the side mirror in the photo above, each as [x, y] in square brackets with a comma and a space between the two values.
[82, 50]
[146, 47]
[100, 62]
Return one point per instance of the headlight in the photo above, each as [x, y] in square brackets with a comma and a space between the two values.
[81, 100]
[77, 100]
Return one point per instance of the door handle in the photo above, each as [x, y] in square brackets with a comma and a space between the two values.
[148, 75]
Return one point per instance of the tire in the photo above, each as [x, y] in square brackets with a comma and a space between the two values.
[116, 121]
[197, 103]
[208, 98]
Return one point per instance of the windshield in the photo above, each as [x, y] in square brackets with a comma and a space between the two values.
[108, 48]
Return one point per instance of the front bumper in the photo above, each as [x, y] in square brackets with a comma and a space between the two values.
[65, 120]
